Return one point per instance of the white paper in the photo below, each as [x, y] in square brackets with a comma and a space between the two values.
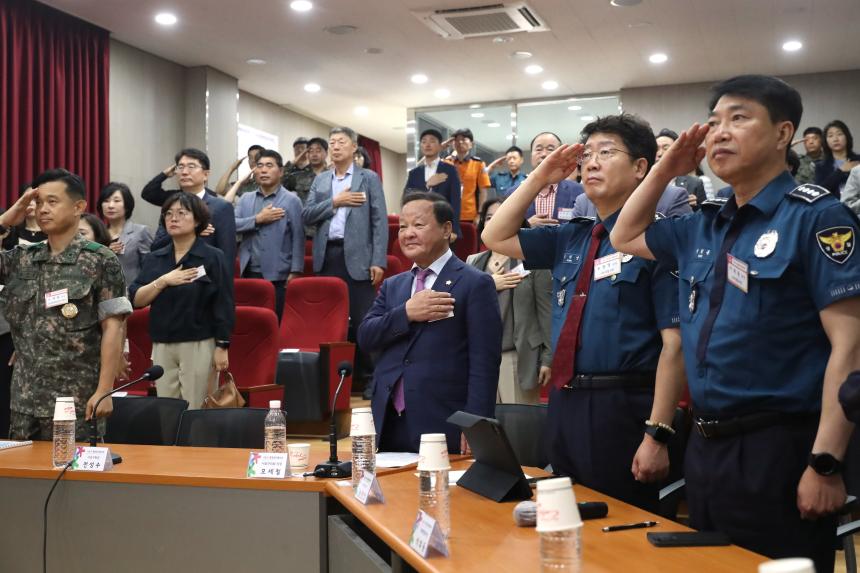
[521, 270]
[201, 272]
[395, 459]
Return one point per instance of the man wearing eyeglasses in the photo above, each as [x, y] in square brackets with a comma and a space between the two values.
[191, 166]
[617, 369]
[554, 203]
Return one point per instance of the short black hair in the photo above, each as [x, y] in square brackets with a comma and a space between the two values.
[555, 135]
[110, 189]
[300, 141]
[634, 132]
[255, 147]
[464, 132]
[100, 232]
[515, 149]
[783, 102]
[482, 216]
[193, 153]
[442, 210]
[814, 131]
[849, 139]
[75, 187]
[318, 141]
[191, 202]
[792, 159]
[666, 132]
[273, 154]
[368, 164]
[434, 132]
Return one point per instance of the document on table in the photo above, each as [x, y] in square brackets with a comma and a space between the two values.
[9, 444]
[395, 459]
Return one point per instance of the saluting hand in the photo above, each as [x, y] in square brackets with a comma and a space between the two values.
[16, 214]
[686, 153]
[428, 305]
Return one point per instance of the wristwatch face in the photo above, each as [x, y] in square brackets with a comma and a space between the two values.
[824, 464]
[662, 435]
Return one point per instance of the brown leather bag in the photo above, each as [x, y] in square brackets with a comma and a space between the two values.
[225, 395]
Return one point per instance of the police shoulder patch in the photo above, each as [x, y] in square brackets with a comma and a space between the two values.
[716, 202]
[837, 243]
[808, 192]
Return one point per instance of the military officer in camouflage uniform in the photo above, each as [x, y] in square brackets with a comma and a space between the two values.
[65, 301]
[299, 179]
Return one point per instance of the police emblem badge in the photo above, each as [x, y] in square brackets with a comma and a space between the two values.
[837, 243]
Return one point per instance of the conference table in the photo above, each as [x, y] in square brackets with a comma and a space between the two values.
[171, 509]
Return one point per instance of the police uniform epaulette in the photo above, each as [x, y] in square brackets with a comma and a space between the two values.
[583, 219]
[808, 192]
[717, 202]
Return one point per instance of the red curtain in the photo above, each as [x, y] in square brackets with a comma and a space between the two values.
[372, 147]
[53, 97]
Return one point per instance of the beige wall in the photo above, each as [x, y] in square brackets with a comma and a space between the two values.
[393, 178]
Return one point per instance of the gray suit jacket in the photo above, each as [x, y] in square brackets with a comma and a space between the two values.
[851, 192]
[136, 240]
[673, 203]
[366, 233]
[531, 303]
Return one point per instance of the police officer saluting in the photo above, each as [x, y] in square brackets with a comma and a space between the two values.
[769, 323]
[617, 370]
[65, 301]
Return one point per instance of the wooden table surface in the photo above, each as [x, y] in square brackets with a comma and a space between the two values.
[485, 538]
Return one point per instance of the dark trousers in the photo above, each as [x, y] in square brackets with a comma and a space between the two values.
[395, 433]
[6, 350]
[361, 295]
[593, 435]
[280, 291]
[746, 487]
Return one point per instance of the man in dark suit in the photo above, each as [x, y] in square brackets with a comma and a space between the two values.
[554, 203]
[438, 334]
[192, 167]
[436, 175]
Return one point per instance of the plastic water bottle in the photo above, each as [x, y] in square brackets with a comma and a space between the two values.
[363, 457]
[64, 432]
[276, 429]
[561, 550]
[434, 498]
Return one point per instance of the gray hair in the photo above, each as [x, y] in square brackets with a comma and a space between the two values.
[353, 137]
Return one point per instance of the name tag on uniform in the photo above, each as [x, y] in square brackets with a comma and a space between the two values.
[738, 273]
[607, 266]
[56, 298]
[565, 213]
[201, 272]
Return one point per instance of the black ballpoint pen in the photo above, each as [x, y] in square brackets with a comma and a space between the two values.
[640, 525]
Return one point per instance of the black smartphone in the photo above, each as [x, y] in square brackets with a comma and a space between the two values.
[688, 538]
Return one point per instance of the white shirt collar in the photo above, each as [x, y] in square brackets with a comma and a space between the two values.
[202, 194]
[437, 265]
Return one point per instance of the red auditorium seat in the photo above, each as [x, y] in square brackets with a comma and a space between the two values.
[394, 218]
[467, 244]
[139, 349]
[254, 292]
[393, 267]
[309, 266]
[254, 354]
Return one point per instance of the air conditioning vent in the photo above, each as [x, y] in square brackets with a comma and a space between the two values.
[488, 20]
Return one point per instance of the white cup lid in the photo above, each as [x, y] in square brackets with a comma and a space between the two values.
[362, 423]
[792, 565]
[275, 404]
[556, 505]
[64, 409]
[433, 453]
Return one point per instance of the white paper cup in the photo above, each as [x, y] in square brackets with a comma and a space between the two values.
[433, 453]
[64, 409]
[556, 505]
[299, 455]
[362, 423]
[792, 565]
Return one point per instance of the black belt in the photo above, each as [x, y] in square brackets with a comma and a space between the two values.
[710, 428]
[611, 381]
[334, 243]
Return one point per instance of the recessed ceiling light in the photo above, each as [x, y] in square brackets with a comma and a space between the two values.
[513, 124]
[792, 46]
[255, 62]
[419, 79]
[658, 58]
[410, 130]
[521, 55]
[301, 5]
[312, 88]
[549, 85]
[494, 124]
[361, 110]
[513, 114]
[587, 118]
[509, 136]
[166, 19]
[574, 107]
[624, 3]
[342, 30]
[533, 69]
[475, 106]
[373, 51]
[502, 39]
[477, 114]
[442, 93]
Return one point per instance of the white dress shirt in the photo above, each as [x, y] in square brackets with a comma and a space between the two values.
[435, 268]
[338, 221]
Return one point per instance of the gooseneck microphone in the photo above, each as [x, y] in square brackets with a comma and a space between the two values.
[153, 373]
[334, 468]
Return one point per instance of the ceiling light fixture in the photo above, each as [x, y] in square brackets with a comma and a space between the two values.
[312, 88]
[494, 124]
[255, 61]
[658, 58]
[419, 79]
[587, 118]
[477, 114]
[361, 110]
[166, 19]
[624, 3]
[521, 55]
[574, 107]
[549, 85]
[533, 69]
[792, 46]
[475, 106]
[502, 39]
[301, 5]
[442, 93]
[341, 30]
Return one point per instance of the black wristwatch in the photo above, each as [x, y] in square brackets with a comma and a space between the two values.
[824, 464]
[3, 229]
[225, 344]
[659, 433]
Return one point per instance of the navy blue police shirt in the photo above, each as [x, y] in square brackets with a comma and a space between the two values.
[625, 312]
[765, 349]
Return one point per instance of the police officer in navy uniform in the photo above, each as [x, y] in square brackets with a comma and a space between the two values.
[769, 323]
[617, 370]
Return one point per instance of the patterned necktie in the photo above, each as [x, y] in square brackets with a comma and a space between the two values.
[569, 338]
[398, 396]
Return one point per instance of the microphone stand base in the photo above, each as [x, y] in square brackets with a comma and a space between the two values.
[333, 469]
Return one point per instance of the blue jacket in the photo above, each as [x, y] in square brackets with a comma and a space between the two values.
[447, 365]
[449, 189]
[281, 244]
[565, 197]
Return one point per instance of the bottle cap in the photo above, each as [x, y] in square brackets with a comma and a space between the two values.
[362, 423]
[433, 453]
[275, 404]
[556, 505]
[64, 409]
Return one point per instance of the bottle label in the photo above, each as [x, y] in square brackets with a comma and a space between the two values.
[91, 459]
[427, 535]
[368, 489]
[267, 465]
